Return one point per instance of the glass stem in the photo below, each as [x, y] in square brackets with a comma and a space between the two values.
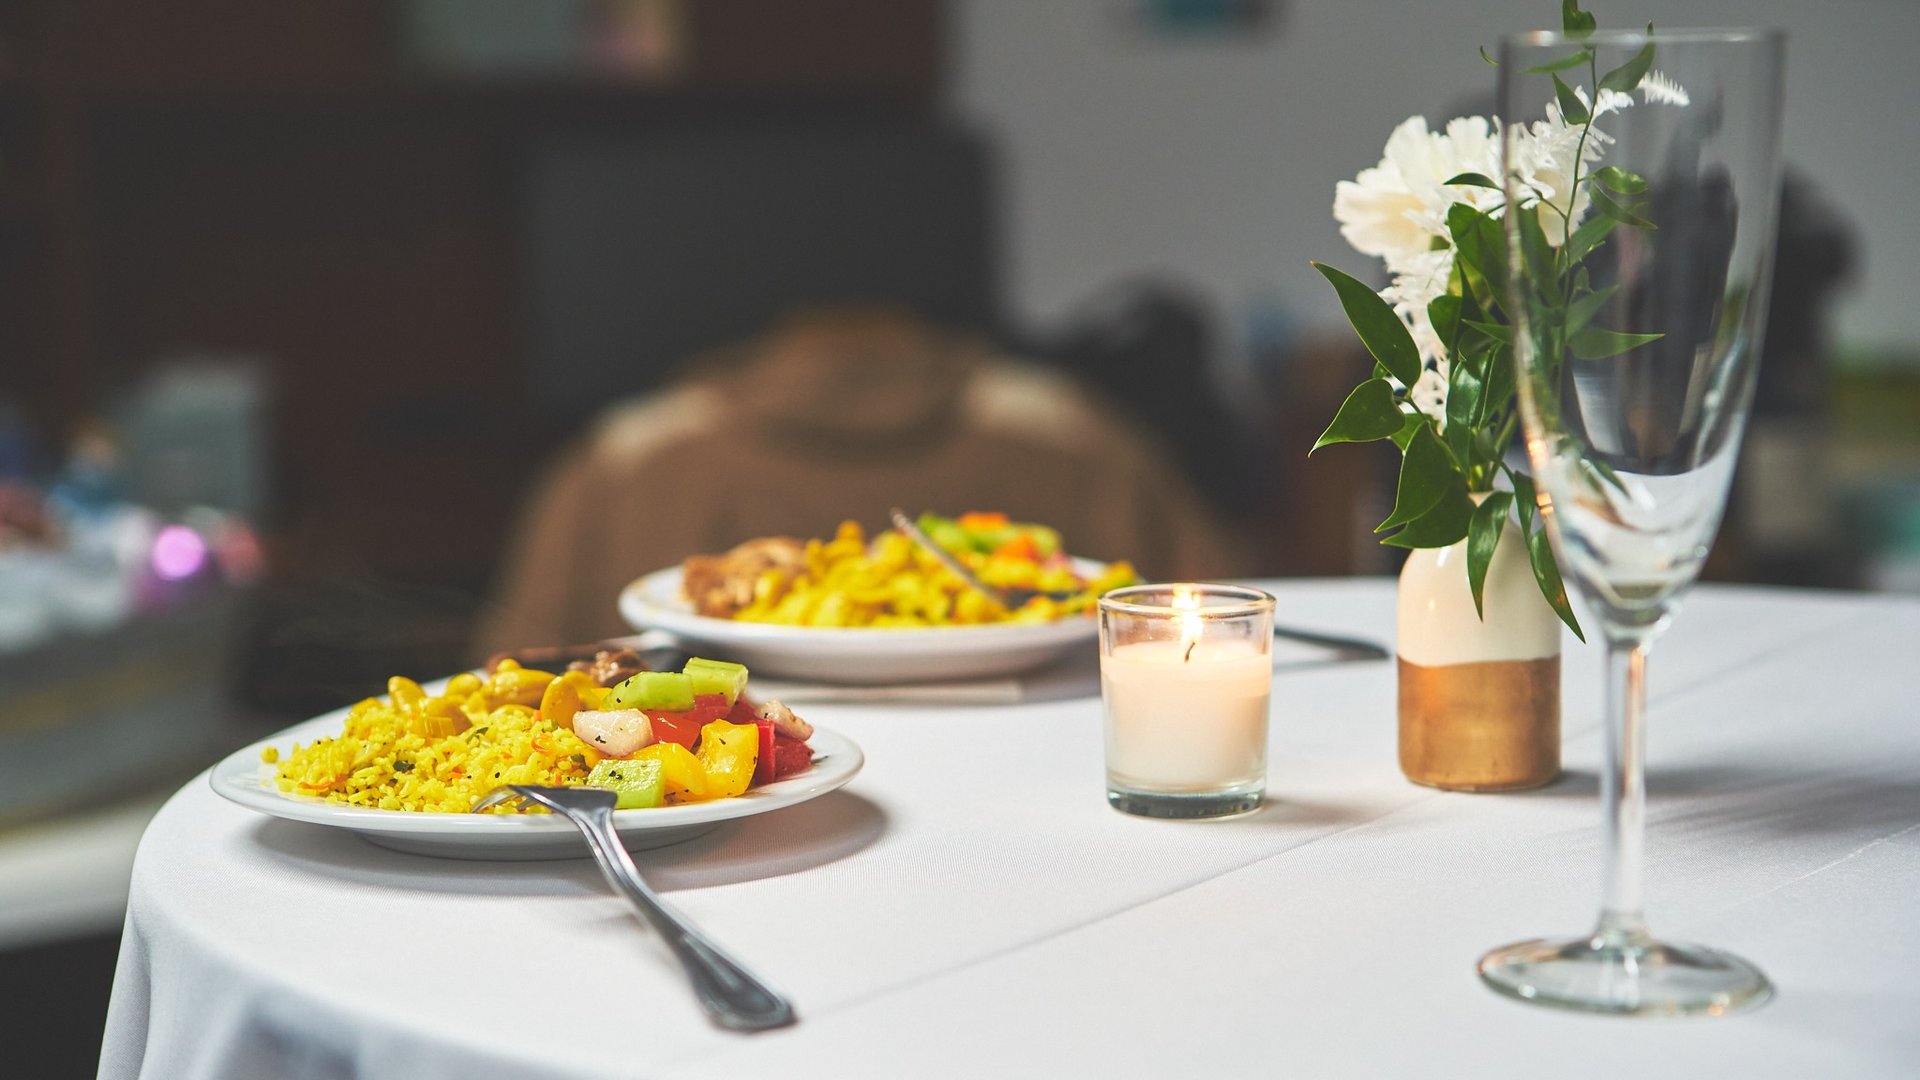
[1623, 793]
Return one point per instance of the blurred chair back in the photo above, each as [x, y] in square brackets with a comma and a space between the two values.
[837, 415]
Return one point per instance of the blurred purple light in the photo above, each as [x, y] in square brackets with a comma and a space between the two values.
[178, 552]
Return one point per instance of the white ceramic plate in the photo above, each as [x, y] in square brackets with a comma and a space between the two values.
[245, 779]
[857, 655]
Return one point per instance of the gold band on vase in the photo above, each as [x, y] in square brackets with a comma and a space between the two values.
[1487, 726]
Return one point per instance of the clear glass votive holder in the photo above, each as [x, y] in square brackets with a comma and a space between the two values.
[1186, 676]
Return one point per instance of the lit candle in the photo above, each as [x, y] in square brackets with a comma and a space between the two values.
[1186, 674]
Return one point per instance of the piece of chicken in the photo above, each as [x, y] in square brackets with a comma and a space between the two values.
[785, 721]
[720, 585]
[614, 732]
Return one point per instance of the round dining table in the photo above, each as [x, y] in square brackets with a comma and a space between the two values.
[969, 905]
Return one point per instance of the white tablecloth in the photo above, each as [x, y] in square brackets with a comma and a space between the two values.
[970, 906]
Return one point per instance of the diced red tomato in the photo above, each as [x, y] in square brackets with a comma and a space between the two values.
[675, 727]
[763, 766]
[744, 712]
[710, 707]
[790, 756]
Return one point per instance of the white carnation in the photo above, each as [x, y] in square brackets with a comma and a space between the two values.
[1397, 212]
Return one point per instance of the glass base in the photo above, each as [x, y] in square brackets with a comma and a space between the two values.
[1210, 804]
[1635, 978]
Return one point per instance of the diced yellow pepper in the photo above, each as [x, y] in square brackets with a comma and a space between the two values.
[516, 685]
[685, 776]
[437, 718]
[729, 753]
[406, 694]
[565, 696]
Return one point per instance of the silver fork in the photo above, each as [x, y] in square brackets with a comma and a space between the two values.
[1011, 599]
[733, 996]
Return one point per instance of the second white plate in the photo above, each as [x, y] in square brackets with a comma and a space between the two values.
[855, 655]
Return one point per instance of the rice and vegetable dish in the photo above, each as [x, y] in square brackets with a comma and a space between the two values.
[655, 738]
[849, 581]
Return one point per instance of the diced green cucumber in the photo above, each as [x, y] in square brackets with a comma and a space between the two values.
[946, 532]
[717, 677]
[1046, 541]
[636, 785]
[666, 691]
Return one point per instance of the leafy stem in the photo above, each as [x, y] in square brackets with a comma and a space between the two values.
[1506, 278]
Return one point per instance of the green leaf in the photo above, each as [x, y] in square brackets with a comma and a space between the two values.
[1546, 573]
[1583, 309]
[1463, 405]
[1369, 413]
[1606, 474]
[1614, 210]
[1469, 304]
[1561, 64]
[1380, 330]
[1575, 22]
[1523, 498]
[1538, 255]
[1427, 474]
[1621, 180]
[1483, 535]
[1588, 236]
[1497, 394]
[1443, 312]
[1499, 332]
[1594, 343]
[1445, 524]
[1572, 109]
[1413, 422]
[1628, 75]
[1491, 62]
[1474, 179]
[1479, 246]
[1462, 226]
[1486, 444]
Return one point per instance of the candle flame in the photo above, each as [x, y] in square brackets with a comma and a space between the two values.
[1187, 600]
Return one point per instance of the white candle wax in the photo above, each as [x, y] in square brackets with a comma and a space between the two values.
[1186, 722]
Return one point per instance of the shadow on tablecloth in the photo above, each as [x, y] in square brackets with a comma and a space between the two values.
[790, 841]
[1765, 796]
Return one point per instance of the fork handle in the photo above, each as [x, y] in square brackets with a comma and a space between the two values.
[1355, 646]
[733, 996]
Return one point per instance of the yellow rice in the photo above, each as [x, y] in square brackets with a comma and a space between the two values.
[892, 582]
[392, 754]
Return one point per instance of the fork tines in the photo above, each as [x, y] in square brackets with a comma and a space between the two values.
[494, 798]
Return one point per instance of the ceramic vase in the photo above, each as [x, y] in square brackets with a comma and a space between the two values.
[1479, 697]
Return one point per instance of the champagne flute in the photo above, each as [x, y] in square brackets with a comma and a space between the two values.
[1640, 237]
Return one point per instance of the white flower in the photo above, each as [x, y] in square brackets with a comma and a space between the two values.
[1544, 158]
[1609, 101]
[1397, 211]
[1543, 153]
[1378, 212]
[1657, 89]
[1425, 277]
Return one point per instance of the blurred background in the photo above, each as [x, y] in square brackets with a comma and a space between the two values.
[307, 311]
